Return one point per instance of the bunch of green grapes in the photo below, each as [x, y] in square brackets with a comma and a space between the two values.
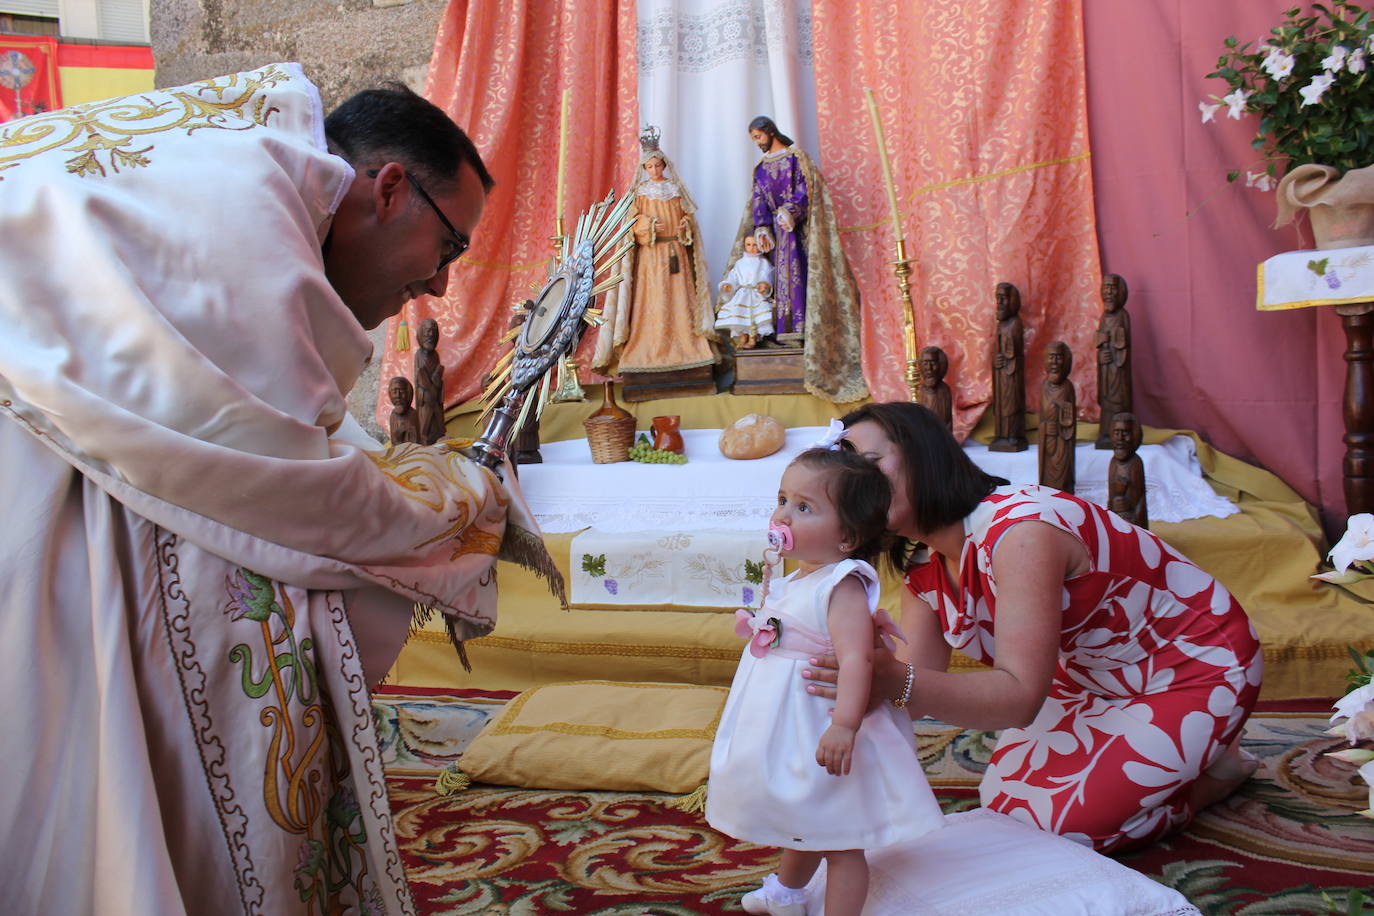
[645, 453]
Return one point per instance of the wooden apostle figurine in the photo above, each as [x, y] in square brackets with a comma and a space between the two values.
[1126, 472]
[934, 393]
[404, 425]
[1113, 357]
[526, 445]
[429, 383]
[1058, 419]
[1009, 373]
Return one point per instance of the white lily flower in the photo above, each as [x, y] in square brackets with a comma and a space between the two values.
[1359, 700]
[1360, 727]
[1208, 110]
[1236, 103]
[1259, 180]
[1336, 59]
[1313, 91]
[1356, 755]
[1356, 544]
[1278, 65]
[1355, 63]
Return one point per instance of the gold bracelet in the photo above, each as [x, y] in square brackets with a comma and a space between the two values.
[900, 702]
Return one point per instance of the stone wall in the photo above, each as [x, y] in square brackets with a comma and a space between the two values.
[343, 46]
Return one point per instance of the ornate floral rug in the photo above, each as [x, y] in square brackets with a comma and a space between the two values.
[1288, 843]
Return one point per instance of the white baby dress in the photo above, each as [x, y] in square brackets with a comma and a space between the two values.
[765, 785]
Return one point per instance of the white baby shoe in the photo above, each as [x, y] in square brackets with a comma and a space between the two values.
[775, 899]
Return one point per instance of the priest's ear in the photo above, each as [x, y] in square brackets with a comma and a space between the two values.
[390, 193]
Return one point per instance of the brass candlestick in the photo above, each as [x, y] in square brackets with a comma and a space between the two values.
[902, 269]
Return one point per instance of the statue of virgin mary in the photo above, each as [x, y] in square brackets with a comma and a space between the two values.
[659, 317]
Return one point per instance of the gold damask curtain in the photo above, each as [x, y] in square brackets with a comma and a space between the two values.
[499, 70]
[984, 111]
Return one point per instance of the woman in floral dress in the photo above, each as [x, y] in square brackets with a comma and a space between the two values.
[1121, 673]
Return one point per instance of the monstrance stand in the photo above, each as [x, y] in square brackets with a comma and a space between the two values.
[523, 377]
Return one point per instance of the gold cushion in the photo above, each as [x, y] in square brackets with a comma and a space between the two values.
[582, 735]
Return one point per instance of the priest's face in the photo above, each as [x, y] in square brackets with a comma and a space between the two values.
[389, 245]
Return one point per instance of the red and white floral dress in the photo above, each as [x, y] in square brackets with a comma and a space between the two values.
[1158, 670]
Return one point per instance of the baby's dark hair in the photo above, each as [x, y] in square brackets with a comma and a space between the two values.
[860, 493]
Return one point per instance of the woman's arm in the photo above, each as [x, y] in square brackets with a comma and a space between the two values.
[1030, 564]
[851, 632]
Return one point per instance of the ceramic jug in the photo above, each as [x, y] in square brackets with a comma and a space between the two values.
[667, 433]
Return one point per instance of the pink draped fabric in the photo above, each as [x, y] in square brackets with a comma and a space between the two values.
[1264, 386]
[499, 70]
[984, 112]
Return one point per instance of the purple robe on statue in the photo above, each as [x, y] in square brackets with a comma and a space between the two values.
[779, 183]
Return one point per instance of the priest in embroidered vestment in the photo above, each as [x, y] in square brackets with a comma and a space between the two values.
[205, 562]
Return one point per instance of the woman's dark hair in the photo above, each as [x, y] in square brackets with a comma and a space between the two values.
[943, 483]
[860, 493]
[765, 124]
[393, 123]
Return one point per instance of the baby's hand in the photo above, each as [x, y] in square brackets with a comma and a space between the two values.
[836, 750]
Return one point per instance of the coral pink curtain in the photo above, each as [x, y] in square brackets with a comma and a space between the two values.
[983, 107]
[499, 70]
[1264, 386]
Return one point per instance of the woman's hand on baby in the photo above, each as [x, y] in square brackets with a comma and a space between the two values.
[836, 750]
[888, 676]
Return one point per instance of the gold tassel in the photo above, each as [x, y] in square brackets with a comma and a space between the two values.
[527, 549]
[453, 637]
[693, 803]
[402, 336]
[451, 780]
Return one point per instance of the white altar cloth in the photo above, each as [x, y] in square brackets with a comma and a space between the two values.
[568, 492]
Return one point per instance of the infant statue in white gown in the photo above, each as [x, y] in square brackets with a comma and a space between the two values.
[747, 313]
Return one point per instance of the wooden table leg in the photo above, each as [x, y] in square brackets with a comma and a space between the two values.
[1357, 320]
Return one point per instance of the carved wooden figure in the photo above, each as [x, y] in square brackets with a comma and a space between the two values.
[429, 383]
[1058, 419]
[1113, 357]
[1126, 472]
[1009, 373]
[934, 393]
[404, 425]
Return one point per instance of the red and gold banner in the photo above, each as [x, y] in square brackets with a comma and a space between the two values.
[28, 75]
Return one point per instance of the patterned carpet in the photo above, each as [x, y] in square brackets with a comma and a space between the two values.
[1288, 838]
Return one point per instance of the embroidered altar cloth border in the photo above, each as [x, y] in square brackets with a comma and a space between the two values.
[568, 492]
[705, 570]
[1299, 279]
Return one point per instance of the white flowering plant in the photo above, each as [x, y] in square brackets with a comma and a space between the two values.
[1307, 82]
[1353, 559]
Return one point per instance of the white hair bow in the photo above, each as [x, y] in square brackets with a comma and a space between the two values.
[833, 434]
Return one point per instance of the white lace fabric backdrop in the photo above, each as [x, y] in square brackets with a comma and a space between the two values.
[706, 69]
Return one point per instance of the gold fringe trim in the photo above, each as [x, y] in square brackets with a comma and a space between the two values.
[693, 803]
[451, 780]
[525, 548]
[451, 625]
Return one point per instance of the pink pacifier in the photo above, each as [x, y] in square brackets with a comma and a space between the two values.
[779, 536]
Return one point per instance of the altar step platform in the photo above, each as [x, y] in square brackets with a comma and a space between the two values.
[654, 555]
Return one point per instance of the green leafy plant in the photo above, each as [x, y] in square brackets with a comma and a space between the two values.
[1308, 83]
[594, 566]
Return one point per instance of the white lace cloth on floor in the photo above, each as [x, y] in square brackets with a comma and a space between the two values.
[568, 492]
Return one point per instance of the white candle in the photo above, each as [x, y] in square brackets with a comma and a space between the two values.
[887, 166]
[562, 155]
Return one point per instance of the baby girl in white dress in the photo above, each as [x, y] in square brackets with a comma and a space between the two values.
[787, 768]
